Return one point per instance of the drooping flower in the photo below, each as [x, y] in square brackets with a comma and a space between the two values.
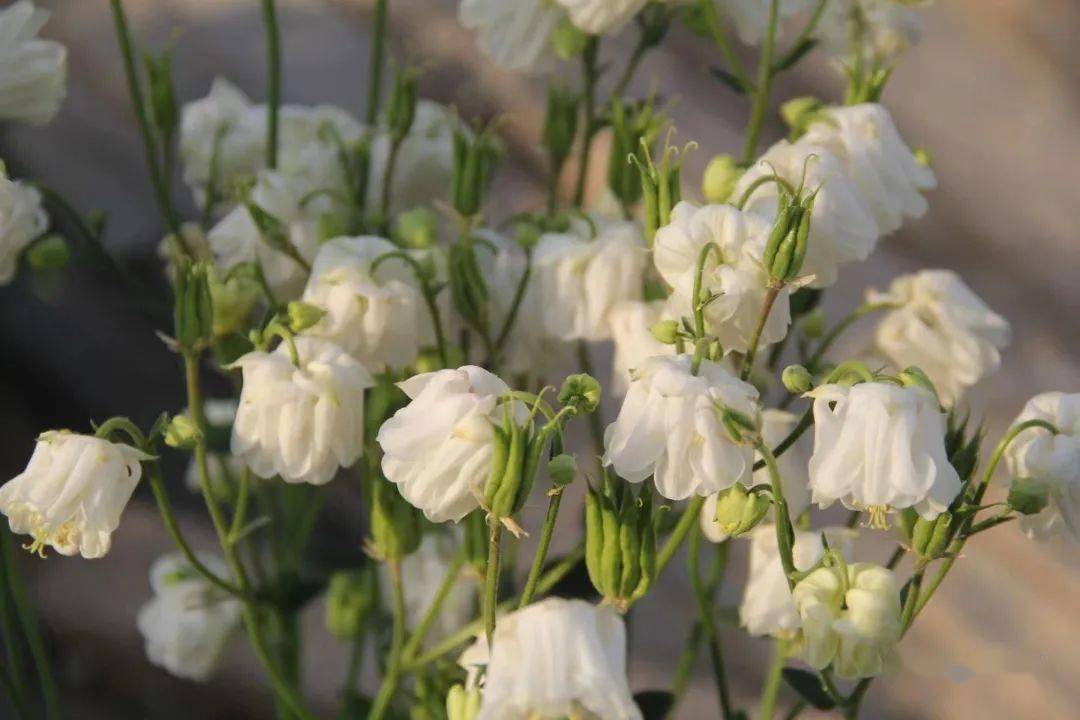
[438, 449]
[601, 17]
[22, 220]
[886, 28]
[1051, 462]
[670, 427]
[378, 317]
[187, 624]
[515, 33]
[634, 342]
[33, 72]
[775, 427]
[301, 420]
[889, 179]
[424, 165]
[582, 280]
[850, 619]
[880, 447]
[842, 228]
[734, 274]
[942, 327]
[72, 493]
[553, 659]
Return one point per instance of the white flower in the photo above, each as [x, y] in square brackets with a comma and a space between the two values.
[751, 17]
[224, 468]
[851, 622]
[424, 165]
[890, 28]
[634, 342]
[1052, 461]
[380, 318]
[581, 280]
[236, 238]
[72, 493]
[187, 623]
[554, 659]
[842, 228]
[767, 607]
[669, 426]
[310, 145]
[738, 277]
[301, 421]
[33, 72]
[601, 17]
[775, 427]
[515, 33]
[880, 447]
[889, 179]
[22, 220]
[439, 447]
[942, 327]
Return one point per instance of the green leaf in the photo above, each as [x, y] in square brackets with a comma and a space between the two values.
[728, 79]
[797, 53]
[809, 688]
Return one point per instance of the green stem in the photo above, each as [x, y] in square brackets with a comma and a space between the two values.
[542, 549]
[243, 494]
[429, 298]
[765, 180]
[830, 337]
[273, 80]
[801, 427]
[15, 671]
[394, 666]
[708, 622]
[911, 602]
[771, 688]
[515, 304]
[491, 577]
[804, 37]
[785, 534]
[723, 42]
[388, 181]
[378, 55]
[416, 640]
[763, 87]
[755, 339]
[688, 520]
[591, 74]
[685, 666]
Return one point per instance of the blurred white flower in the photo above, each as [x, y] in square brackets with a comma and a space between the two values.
[775, 426]
[852, 622]
[33, 72]
[942, 327]
[301, 421]
[187, 624]
[582, 280]
[236, 238]
[438, 449]
[634, 342]
[22, 220]
[553, 659]
[751, 17]
[889, 179]
[880, 447]
[1050, 461]
[889, 28]
[602, 17]
[424, 165]
[737, 277]
[72, 492]
[380, 318]
[669, 427]
[842, 228]
[515, 33]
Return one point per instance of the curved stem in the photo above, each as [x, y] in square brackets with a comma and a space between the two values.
[708, 622]
[764, 180]
[771, 688]
[764, 84]
[273, 80]
[805, 35]
[755, 339]
[723, 42]
[15, 671]
[591, 74]
[596, 422]
[785, 534]
[688, 520]
[830, 337]
[429, 298]
[699, 305]
[804, 423]
[515, 304]
[542, 549]
[394, 666]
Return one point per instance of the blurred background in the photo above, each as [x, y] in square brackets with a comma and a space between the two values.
[992, 91]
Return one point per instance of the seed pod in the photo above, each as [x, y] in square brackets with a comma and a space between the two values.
[506, 495]
[930, 538]
[395, 524]
[498, 462]
[780, 229]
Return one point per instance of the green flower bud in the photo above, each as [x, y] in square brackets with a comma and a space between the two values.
[395, 524]
[797, 379]
[527, 235]
[417, 228]
[350, 598]
[475, 156]
[303, 315]
[620, 542]
[182, 432]
[666, 331]
[721, 175]
[931, 538]
[738, 511]
[580, 391]
[462, 704]
[562, 469]
[234, 297]
[567, 41]
[1027, 496]
[798, 113]
[193, 306]
[49, 253]
[560, 124]
[401, 107]
[813, 324]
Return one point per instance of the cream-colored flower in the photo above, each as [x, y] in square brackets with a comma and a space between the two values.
[301, 421]
[515, 33]
[72, 493]
[424, 166]
[188, 622]
[888, 28]
[33, 72]
[22, 220]
[735, 274]
[601, 17]
[942, 327]
[631, 324]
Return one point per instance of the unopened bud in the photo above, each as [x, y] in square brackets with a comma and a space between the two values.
[162, 95]
[49, 253]
[562, 469]
[1028, 497]
[193, 306]
[666, 332]
[738, 510]
[721, 175]
[401, 108]
[580, 391]
[931, 538]
[417, 228]
[182, 432]
[475, 156]
[350, 598]
[303, 315]
[797, 379]
[234, 297]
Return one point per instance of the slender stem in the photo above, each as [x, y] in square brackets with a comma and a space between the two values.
[491, 577]
[796, 710]
[273, 80]
[542, 549]
[723, 42]
[638, 55]
[764, 84]
[755, 339]
[388, 180]
[394, 666]
[515, 304]
[12, 692]
[596, 422]
[15, 670]
[784, 532]
[378, 55]
[805, 36]
[243, 494]
[699, 305]
[708, 622]
[416, 640]
[802, 426]
[771, 688]
[165, 205]
[429, 298]
[830, 337]
[591, 73]
[764, 180]
[688, 520]
[352, 671]
[911, 602]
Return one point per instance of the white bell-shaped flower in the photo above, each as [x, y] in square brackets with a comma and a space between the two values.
[850, 619]
[631, 324]
[880, 447]
[669, 427]
[438, 449]
[301, 420]
[737, 277]
[22, 220]
[581, 280]
[515, 33]
[72, 493]
[187, 624]
[555, 659]
[842, 227]
[33, 72]
[378, 317]
[1050, 461]
[601, 17]
[942, 327]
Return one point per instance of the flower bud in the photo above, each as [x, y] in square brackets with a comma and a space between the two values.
[303, 315]
[462, 704]
[798, 113]
[797, 379]
[738, 511]
[401, 107]
[417, 228]
[474, 162]
[665, 331]
[580, 391]
[182, 432]
[567, 41]
[350, 598]
[931, 538]
[560, 124]
[562, 469]
[620, 542]
[1028, 497]
[49, 253]
[193, 306]
[721, 175]
[395, 524]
